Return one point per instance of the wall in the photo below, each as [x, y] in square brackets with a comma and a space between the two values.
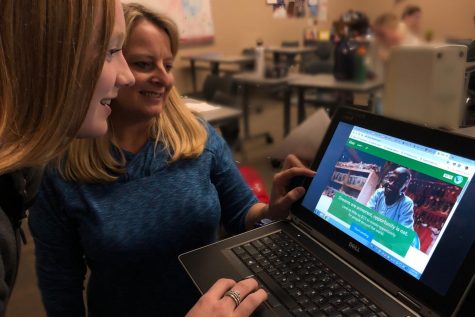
[239, 23]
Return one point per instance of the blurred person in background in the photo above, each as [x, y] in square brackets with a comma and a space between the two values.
[411, 20]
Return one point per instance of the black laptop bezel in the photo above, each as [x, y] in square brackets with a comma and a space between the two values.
[441, 140]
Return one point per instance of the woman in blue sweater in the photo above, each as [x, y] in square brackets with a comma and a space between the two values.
[126, 205]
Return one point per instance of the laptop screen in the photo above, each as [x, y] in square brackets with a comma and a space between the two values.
[404, 201]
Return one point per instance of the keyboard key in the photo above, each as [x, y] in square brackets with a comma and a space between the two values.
[238, 250]
[374, 308]
[296, 293]
[258, 244]
[250, 249]
[255, 268]
[288, 301]
[299, 312]
[328, 309]
[302, 300]
[363, 310]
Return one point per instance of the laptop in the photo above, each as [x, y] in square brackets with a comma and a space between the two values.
[346, 250]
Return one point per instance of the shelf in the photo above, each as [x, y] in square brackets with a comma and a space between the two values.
[353, 186]
[355, 169]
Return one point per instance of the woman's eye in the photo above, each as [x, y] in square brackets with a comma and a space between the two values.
[114, 51]
[168, 67]
[141, 64]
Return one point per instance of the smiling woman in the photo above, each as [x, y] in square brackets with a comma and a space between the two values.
[46, 90]
[157, 185]
[55, 79]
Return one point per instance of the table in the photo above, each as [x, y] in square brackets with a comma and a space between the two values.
[215, 59]
[470, 131]
[324, 81]
[215, 114]
[247, 81]
[289, 50]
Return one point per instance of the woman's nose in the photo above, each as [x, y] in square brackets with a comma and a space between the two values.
[125, 76]
[161, 78]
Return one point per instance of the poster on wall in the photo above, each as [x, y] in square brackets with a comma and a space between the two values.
[193, 17]
[279, 10]
[313, 8]
[322, 10]
[288, 9]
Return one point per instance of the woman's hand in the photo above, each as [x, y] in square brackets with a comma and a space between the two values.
[281, 199]
[216, 303]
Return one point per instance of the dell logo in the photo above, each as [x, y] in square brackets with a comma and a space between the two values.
[354, 246]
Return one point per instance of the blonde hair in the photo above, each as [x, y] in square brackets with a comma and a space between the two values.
[177, 129]
[385, 20]
[46, 83]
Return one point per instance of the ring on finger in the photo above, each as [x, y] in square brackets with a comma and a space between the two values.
[235, 296]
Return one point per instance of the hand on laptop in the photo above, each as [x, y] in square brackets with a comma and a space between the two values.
[283, 195]
[228, 298]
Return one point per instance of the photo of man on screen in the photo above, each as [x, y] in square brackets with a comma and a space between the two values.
[391, 201]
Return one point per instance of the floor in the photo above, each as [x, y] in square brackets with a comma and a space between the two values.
[26, 302]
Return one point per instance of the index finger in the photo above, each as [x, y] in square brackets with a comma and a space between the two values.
[287, 175]
[292, 161]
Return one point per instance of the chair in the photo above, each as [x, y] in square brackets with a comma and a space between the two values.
[289, 58]
[304, 140]
[319, 62]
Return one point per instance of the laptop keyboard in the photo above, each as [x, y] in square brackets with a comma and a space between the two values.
[300, 281]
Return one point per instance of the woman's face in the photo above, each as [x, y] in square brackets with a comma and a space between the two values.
[150, 58]
[115, 74]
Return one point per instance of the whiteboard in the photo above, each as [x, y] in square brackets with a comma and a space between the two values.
[193, 17]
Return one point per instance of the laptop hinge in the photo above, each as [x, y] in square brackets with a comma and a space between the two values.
[408, 301]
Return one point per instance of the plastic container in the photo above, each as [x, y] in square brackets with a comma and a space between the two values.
[260, 67]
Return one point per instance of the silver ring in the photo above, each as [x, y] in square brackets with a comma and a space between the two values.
[235, 296]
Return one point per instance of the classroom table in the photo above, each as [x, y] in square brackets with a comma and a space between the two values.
[328, 82]
[289, 50]
[215, 60]
[215, 114]
[248, 80]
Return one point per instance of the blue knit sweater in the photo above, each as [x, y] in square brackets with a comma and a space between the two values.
[130, 232]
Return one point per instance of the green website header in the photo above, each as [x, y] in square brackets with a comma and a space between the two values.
[438, 173]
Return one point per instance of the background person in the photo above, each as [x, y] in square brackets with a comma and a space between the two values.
[390, 200]
[411, 19]
[159, 184]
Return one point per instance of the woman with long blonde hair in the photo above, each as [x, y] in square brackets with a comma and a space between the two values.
[60, 66]
[126, 205]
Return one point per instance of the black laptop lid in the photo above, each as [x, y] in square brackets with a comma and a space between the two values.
[400, 198]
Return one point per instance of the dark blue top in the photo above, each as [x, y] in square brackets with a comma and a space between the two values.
[130, 232]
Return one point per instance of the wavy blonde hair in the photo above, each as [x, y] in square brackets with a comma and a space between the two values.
[48, 74]
[177, 129]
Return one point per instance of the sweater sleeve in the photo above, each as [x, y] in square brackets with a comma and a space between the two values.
[235, 195]
[7, 244]
[60, 263]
